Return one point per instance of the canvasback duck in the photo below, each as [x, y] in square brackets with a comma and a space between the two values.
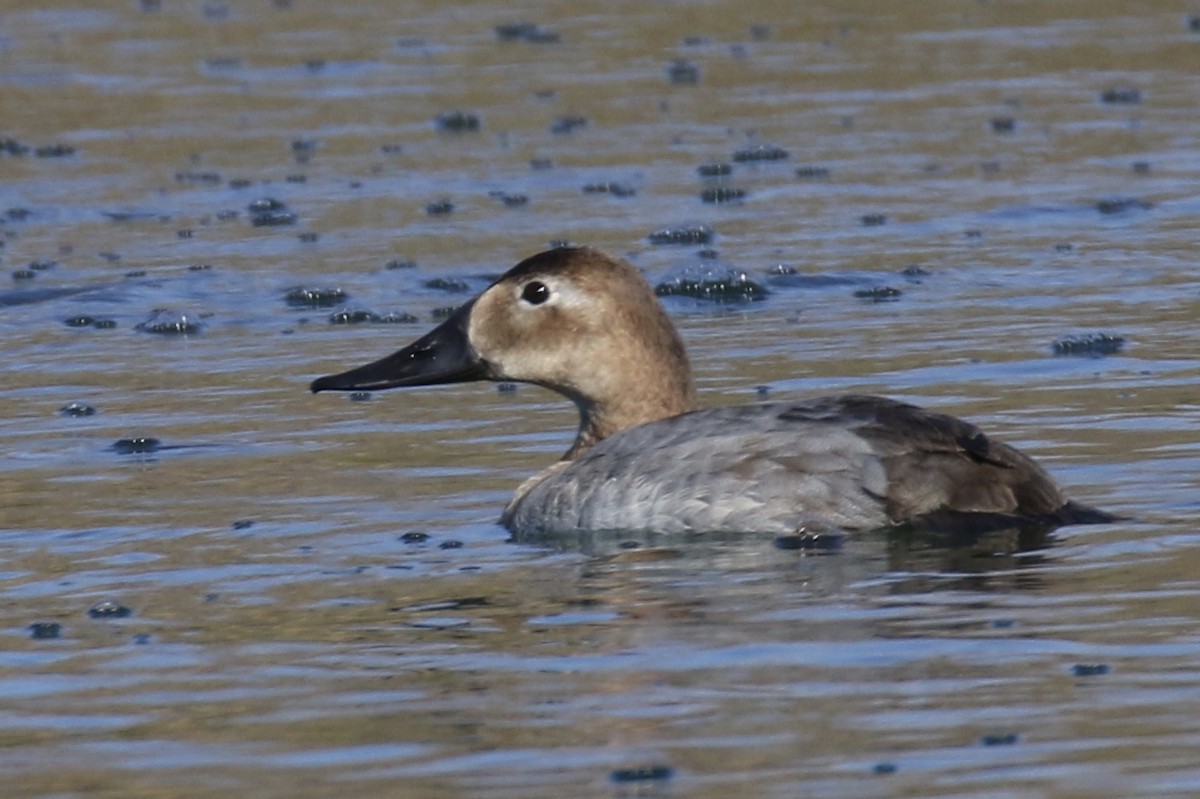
[588, 325]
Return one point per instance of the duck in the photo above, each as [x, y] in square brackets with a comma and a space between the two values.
[647, 458]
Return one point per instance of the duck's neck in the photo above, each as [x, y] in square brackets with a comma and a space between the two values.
[657, 391]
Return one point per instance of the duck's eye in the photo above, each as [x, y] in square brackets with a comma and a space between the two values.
[535, 293]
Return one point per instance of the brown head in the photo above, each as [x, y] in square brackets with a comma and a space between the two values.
[574, 320]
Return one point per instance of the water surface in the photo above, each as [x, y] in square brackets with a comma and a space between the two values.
[320, 599]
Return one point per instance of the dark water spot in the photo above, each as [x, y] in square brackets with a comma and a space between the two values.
[722, 194]
[243, 524]
[141, 639]
[303, 297]
[10, 146]
[400, 263]
[359, 396]
[18, 214]
[812, 172]
[506, 388]
[526, 32]
[884, 768]
[690, 234]
[608, 187]
[397, 318]
[1119, 205]
[1141, 167]
[1003, 739]
[1092, 345]
[54, 151]
[203, 178]
[42, 266]
[760, 33]
[443, 313]
[451, 544]
[439, 208]
[391, 149]
[761, 152]
[873, 220]
[568, 124]
[23, 274]
[651, 773]
[185, 233]
[448, 284]
[309, 238]
[44, 630]
[77, 409]
[714, 170]
[762, 392]
[879, 294]
[240, 183]
[541, 164]
[199, 267]
[1193, 23]
[811, 542]
[457, 122]
[914, 272]
[714, 284]
[1003, 124]
[79, 321]
[165, 322]
[682, 72]
[273, 219]
[136, 446]
[108, 609]
[414, 537]
[1121, 95]
[1064, 247]
[352, 316]
[509, 200]
[1090, 669]
[105, 324]
[270, 212]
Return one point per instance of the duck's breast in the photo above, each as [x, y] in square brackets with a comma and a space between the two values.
[751, 468]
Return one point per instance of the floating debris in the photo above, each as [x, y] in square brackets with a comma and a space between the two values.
[10, 146]
[414, 537]
[683, 73]
[568, 124]
[450, 284]
[76, 409]
[1005, 739]
[509, 200]
[1121, 95]
[1003, 125]
[108, 609]
[526, 32]
[873, 220]
[761, 152]
[349, 316]
[170, 323]
[707, 282]
[879, 294]
[44, 630]
[136, 446]
[457, 122]
[608, 187]
[722, 194]
[1120, 205]
[1090, 669]
[360, 396]
[23, 274]
[439, 208]
[714, 170]
[1093, 345]
[303, 297]
[812, 172]
[269, 212]
[690, 234]
[54, 151]
[653, 773]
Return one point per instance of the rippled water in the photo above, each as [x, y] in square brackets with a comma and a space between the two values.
[319, 599]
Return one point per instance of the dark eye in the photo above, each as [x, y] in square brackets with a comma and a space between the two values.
[535, 293]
